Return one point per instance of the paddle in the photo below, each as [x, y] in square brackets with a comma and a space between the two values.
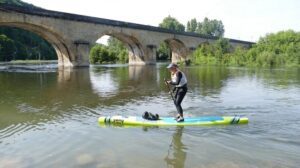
[169, 90]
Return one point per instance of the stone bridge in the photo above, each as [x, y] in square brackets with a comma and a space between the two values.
[72, 36]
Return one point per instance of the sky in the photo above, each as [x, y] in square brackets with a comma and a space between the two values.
[246, 20]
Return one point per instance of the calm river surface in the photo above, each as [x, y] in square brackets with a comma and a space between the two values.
[48, 117]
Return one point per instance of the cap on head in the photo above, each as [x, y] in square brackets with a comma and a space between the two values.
[172, 65]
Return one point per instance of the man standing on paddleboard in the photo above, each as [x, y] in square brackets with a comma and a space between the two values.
[178, 79]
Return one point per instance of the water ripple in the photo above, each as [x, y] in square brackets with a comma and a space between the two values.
[15, 129]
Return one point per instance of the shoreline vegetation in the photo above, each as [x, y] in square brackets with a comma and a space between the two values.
[281, 49]
[273, 50]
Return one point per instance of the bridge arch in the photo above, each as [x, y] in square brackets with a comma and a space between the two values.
[135, 49]
[178, 49]
[59, 45]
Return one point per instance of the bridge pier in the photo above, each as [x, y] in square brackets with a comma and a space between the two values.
[77, 55]
[180, 55]
[82, 50]
[150, 53]
[142, 55]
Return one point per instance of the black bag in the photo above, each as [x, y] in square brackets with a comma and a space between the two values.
[149, 116]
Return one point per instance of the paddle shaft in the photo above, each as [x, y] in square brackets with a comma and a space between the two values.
[170, 90]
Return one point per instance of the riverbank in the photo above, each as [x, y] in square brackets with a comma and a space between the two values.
[29, 66]
[18, 62]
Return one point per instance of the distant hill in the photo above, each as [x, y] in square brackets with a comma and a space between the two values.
[17, 3]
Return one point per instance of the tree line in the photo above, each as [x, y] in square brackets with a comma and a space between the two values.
[275, 49]
[114, 52]
[18, 44]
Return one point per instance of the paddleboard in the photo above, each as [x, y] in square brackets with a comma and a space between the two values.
[169, 121]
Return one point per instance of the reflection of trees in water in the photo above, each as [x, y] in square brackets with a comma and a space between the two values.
[132, 79]
[134, 82]
[31, 98]
[208, 80]
[143, 75]
[284, 77]
[177, 150]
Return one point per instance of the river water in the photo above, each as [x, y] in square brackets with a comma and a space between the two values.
[48, 117]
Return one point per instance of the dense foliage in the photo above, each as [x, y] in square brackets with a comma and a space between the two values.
[280, 49]
[118, 49]
[206, 27]
[192, 25]
[211, 54]
[7, 48]
[172, 24]
[114, 52]
[19, 44]
[100, 54]
[163, 52]
[25, 46]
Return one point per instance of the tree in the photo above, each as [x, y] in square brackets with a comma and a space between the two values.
[192, 25]
[212, 54]
[172, 24]
[100, 54]
[7, 48]
[163, 52]
[223, 45]
[117, 48]
[114, 52]
[282, 48]
[275, 49]
[29, 45]
[211, 27]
